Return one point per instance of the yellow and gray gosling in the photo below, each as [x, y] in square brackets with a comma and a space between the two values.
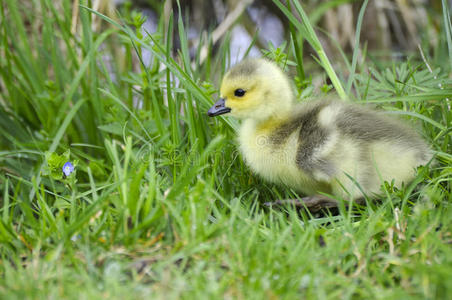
[316, 146]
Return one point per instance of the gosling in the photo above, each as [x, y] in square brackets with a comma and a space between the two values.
[316, 147]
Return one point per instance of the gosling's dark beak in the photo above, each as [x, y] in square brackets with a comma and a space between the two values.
[218, 109]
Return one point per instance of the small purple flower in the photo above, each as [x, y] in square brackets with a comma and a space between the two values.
[68, 168]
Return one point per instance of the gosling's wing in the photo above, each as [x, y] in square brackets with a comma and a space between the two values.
[367, 126]
[312, 137]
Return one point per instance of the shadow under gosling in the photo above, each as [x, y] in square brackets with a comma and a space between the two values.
[315, 147]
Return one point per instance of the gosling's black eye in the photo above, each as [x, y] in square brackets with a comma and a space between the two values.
[239, 93]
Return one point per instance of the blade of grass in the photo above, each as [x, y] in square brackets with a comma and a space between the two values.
[419, 116]
[447, 29]
[356, 49]
[307, 31]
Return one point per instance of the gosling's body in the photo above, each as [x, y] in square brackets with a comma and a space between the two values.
[317, 146]
[321, 143]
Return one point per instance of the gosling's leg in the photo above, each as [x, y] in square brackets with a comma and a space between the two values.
[312, 203]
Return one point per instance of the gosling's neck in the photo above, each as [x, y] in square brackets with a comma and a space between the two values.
[270, 122]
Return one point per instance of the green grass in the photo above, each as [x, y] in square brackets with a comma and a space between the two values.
[161, 203]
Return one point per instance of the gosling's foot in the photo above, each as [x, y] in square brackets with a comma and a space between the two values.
[312, 203]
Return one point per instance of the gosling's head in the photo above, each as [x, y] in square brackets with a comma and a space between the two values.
[254, 89]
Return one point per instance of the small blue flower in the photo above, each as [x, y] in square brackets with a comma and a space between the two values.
[68, 168]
